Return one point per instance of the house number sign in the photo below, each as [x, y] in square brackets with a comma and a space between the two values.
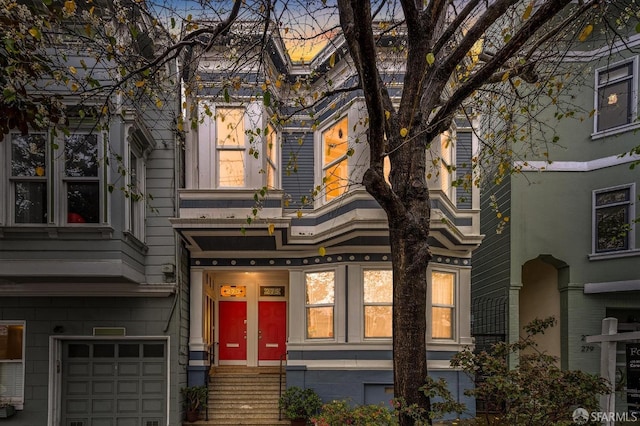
[233, 291]
[272, 291]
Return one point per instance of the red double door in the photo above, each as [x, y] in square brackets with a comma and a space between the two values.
[235, 333]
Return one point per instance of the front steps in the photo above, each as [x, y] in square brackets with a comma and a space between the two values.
[243, 396]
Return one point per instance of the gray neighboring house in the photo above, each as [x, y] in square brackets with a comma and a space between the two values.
[571, 248]
[92, 293]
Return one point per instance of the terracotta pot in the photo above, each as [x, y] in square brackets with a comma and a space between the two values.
[193, 415]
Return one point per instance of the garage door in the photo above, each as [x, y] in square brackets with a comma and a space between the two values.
[114, 383]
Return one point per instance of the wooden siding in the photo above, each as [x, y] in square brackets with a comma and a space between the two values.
[299, 182]
[490, 275]
[464, 153]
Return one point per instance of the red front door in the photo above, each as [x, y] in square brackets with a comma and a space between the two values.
[233, 330]
[272, 330]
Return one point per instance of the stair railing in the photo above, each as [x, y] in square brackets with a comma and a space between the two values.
[282, 360]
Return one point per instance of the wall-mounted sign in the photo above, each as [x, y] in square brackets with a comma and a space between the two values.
[633, 377]
[233, 291]
[272, 291]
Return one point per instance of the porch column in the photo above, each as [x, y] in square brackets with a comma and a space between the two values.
[198, 368]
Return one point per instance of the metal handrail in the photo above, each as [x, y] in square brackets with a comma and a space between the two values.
[282, 358]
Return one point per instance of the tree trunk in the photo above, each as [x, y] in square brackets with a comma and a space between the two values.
[409, 316]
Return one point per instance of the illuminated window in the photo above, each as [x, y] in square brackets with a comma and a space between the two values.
[12, 362]
[378, 303]
[320, 304]
[334, 159]
[616, 96]
[442, 305]
[271, 157]
[230, 147]
[613, 214]
[446, 164]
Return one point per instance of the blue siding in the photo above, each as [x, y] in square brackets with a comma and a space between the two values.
[463, 169]
[298, 167]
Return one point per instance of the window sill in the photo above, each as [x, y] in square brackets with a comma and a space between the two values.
[615, 131]
[96, 231]
[614, 254]
[129, 237]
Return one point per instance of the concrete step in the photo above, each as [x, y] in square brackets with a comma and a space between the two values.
[243, 396]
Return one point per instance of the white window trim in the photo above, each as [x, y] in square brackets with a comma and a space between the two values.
[19, 403]
[634, 99]
[217, 148]
[320, 154]
[364, 304]
[455, 332]
[56, 182]
[135, 211]
[267, 163]
[631, 250]
[59, 185]
[336, 306]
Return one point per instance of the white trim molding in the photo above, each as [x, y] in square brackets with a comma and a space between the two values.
[576, 166]
[612, 286]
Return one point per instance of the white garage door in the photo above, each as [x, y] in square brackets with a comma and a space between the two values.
[114, 383]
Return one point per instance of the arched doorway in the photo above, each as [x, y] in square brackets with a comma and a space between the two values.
[540, 298]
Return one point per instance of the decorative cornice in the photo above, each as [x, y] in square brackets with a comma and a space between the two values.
[316, 260]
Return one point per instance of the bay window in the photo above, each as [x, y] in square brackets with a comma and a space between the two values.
[54, 180]
[335, 150]
[320, 304]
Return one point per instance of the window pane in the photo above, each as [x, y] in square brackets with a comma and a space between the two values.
[31, 202]
[11, 337]
[83, 202]
[442, 288]
[128, 350]
[230, 127]
[28, 155]
[78, 350]
[612, 197]
[320, 288]
[378, 321]
[104, 350]
[153, 350]
[378, 286]
[11, 380]
[231, 168]
[615, 74]
[81, 155]
[335, 179]
[614, 105]
[442, 323]
[613, 228]
[335, 142]
[320, 322]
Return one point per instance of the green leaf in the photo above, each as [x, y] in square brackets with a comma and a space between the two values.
[227, 98]
[430, 58]
[266, 98]
[638, 27]
[173, 22]
[9, 95]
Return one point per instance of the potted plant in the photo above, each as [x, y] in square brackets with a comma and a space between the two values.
[6, 409]
[299, 405]
[195, 399]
